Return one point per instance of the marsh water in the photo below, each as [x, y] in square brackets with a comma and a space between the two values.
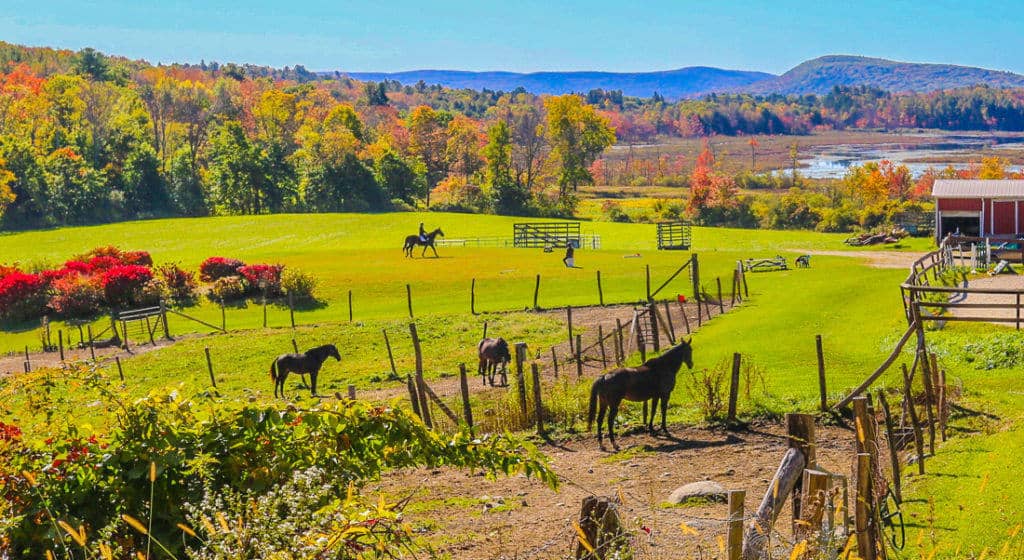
[833, 161]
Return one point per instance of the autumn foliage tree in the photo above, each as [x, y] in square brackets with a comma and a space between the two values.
[713, 196]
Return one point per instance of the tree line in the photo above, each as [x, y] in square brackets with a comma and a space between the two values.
[87, 138]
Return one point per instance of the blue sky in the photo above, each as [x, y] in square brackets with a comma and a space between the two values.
[525, 35]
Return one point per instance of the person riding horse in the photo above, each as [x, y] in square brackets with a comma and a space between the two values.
[424, 238]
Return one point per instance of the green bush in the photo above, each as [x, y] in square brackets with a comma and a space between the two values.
[229, 288]
[167, 452]
[300, 285]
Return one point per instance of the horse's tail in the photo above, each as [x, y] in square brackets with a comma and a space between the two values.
[273, 370]
[593, 403]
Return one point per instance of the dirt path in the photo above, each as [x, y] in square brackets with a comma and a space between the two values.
[470, 517]
[15, 363]
[877, 259]
[1000, 282]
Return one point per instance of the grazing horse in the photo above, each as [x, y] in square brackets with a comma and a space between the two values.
[493, 354]
[308, 362]
[414, 240]
[653, 380]
[803, 261]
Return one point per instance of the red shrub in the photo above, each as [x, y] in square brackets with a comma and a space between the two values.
[215, 268]
[122, 285]
[76, 296]
[140, 258]
[269, 275]
[78, 266]
[22, 296]
[103, 263]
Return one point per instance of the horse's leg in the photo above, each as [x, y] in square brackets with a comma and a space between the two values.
[664, 407]
[434, 249]
[281, 376]
[312, 378]
[645, 412]
[613, 411]
[600, 420]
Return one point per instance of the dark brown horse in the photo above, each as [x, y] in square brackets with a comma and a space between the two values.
[427, 241]
[655, 380]
[494, 354]
[308, 362]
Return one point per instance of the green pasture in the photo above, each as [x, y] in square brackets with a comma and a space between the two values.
[854, 307]
[362, 253]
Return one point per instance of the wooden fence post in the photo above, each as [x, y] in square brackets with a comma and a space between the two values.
[641, 346]
[918, 438]
[943, 411]
[926, 377]
[721, 304]
[668, 319]
[814, 498]
[554, 361]
[120, 370]
[408, 298]
[295, 346]
[894, 458]
[124, 331]
[92, 349]
[467, 409]
[864, 508]
[620, 346]
[600, 340]
[60, 343]
[686, 320]
[568, 321]
[350, 306]
[413, 396]
[600, 292]
[520, 378]
[647, 269]
[209, 368]
[821, 373]
[291, 308]
[420, 383]
[735, 535]
[223, 316]
[734, 388]
[472, 297]
[391, 357]
[579, 356]
[163, 320]
[800, 435]
[264, 308]
[536, 293]
[538, 405]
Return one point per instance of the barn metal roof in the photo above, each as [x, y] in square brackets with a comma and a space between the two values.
[978, 188]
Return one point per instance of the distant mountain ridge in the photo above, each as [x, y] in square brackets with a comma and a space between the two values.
[672, 84]
[816, 76]
[821, 74]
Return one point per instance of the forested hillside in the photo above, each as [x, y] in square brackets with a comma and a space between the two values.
[86, 137]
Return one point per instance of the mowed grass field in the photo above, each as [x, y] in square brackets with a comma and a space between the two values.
[855, 307]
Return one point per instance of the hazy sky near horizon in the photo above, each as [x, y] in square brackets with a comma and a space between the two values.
[525, 35]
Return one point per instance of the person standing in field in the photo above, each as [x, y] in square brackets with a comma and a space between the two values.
[569, 259]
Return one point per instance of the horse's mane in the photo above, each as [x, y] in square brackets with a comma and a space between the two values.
[673, 356]
[324, 350]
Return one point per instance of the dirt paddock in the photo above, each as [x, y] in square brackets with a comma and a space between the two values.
[468, 516]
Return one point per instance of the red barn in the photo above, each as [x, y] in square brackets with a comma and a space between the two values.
[979, 207]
